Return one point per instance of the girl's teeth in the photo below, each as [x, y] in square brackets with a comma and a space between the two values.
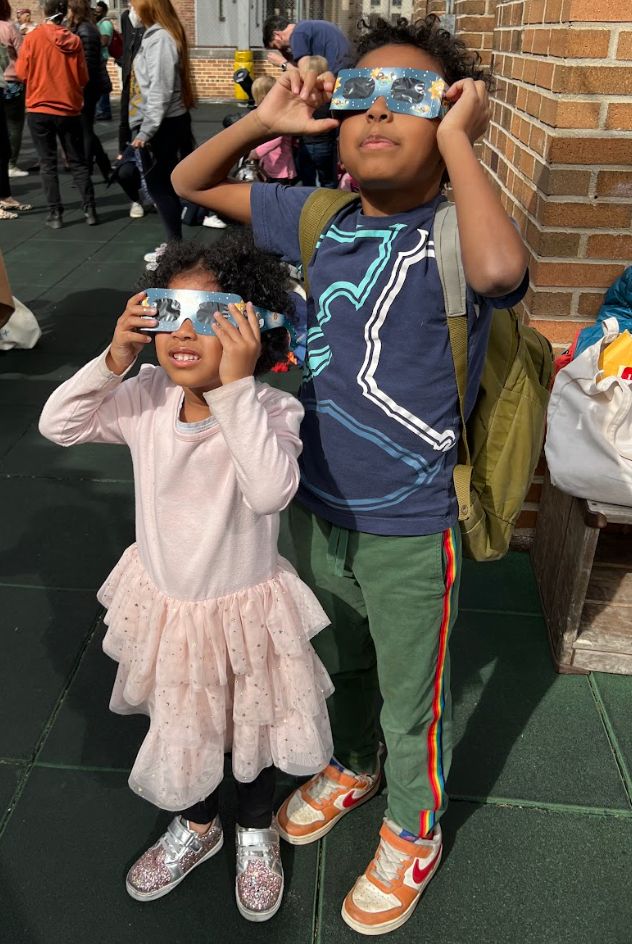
[185, 357]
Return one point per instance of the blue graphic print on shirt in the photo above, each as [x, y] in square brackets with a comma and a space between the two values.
[381, 419]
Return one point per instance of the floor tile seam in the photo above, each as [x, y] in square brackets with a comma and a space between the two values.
[613, 740]
[22, 477]
[80, 768]
[15, 798]
[319, 892]
[564, 809]
[14, 762]
[38, 586]
[496, 612]
[46, 729]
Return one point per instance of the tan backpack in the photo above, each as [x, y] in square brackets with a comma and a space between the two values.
[502, 440]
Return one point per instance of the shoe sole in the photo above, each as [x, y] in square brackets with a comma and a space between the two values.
[161, 892]
[374, 930]
[259, 915]
[323, 830]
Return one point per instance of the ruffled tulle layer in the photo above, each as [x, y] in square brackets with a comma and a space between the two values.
[232, 673]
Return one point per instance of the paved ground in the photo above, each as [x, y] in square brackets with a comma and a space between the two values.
[539, 832]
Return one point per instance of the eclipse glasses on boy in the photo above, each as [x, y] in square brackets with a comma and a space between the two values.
[175, 306]
[414, 92]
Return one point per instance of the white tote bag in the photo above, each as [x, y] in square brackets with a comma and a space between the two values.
[21, 330]
[589, 437]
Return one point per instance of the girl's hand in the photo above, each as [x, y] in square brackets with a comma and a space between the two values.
[470, 111]
[241, 345]
[128, 342]
[138, 143]
[289, 105]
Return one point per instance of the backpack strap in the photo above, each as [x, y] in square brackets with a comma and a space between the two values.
[452, 275]
[318, 211]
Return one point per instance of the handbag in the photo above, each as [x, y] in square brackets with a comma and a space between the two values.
[589, 439]
[21, 330]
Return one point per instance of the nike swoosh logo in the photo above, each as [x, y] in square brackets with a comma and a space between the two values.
[420, 874]
[351, 800]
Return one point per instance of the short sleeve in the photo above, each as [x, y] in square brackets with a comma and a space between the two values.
[300, 42]
[276, 211]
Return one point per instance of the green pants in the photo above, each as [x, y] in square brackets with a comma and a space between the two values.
[392, 602]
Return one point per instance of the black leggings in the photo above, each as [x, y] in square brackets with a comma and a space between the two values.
[172, 140]
[93, 149]
[255, 803]
[5, 153]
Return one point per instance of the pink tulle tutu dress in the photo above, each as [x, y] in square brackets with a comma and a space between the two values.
[210, 626]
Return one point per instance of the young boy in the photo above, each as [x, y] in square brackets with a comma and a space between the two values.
[375, 520]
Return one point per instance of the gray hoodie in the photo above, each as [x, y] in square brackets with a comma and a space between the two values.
[157, 68]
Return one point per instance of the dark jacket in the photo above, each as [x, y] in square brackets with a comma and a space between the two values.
[91, 42]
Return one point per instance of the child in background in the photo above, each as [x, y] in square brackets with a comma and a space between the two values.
[210, 626]
[375, 520]
[317, 154]
[276, 157]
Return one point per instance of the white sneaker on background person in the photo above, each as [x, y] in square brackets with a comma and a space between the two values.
[136, 211]
[213, 220]
[15, 171]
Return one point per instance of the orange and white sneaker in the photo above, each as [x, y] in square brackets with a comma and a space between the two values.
[387, 894]
[316, 806]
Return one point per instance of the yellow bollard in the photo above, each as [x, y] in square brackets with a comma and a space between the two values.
[244, 59]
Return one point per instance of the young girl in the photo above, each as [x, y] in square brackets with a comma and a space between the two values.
[210, 626]
[276, 157]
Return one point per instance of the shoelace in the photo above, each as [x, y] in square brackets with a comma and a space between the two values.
[323, 788]
[388, 863]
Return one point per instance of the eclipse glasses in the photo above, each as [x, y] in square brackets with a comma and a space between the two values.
[175, 306]
[414, 92]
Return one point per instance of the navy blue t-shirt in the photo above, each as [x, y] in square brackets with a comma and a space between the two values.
[320, 38]
[381, 423]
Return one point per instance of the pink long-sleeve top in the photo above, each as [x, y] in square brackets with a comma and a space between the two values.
[207, 502]
[277, 158]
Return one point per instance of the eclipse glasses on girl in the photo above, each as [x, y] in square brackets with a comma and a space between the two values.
[175, 306]
[414, 92]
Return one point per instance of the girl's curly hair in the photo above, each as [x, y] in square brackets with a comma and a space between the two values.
[241, 269]
[457, 61]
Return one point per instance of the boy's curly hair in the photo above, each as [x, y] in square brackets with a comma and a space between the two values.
[457, 60]
[241, 269]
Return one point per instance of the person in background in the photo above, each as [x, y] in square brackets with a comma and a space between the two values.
[159, 113]
[23, 21]
[276, 157]
[80, 23]
[317, 157]
[11, 38]
[106, 29]
[294, 41]
[52, 64]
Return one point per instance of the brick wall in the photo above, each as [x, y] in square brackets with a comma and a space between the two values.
[560, 147]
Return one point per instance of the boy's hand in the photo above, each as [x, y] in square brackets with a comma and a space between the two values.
[469, 113]
[241, 345]
[289, 105]
[127, 342]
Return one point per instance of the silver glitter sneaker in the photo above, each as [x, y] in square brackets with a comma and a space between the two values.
[170, 860]
[259, 882]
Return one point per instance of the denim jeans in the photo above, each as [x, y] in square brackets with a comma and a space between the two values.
[318, 160]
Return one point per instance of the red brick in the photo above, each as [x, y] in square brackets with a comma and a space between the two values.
[624, 46]
[614, 183]
[599, 11]
[610, 247]
[619, 116]
[576, 114]
[589, 304]
[550, 304]
[574, 274]
[595, 79]
[590, 150]
[586, 215]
